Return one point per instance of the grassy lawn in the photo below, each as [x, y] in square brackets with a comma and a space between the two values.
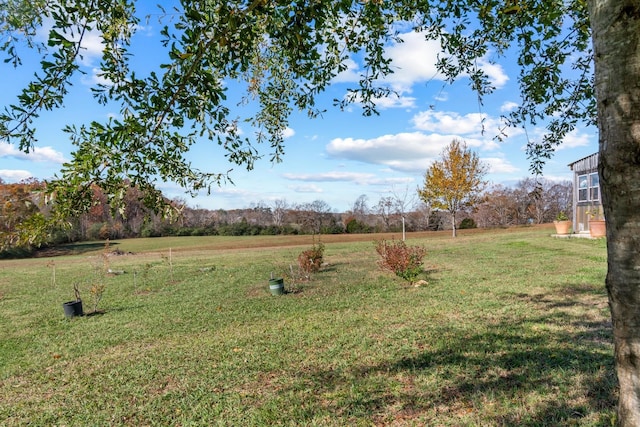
[511, 329]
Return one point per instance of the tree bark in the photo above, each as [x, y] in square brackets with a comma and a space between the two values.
[453, 224]
[616, 39]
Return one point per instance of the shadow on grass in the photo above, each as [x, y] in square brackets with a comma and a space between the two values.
[552, 369]
[72, 249]
[531, 368]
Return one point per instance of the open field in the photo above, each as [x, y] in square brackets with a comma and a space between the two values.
[512, 329]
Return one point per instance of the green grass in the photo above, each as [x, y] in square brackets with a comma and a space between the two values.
[512, 328]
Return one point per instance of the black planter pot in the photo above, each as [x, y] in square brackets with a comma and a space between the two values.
[72, 309]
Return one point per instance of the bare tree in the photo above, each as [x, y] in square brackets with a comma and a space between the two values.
[313, 216]
[360, 209]
[260, 214]
[279, 210]
[404, 199]
[498, 208]
[386, 209]
[421, 216]
[545, 198]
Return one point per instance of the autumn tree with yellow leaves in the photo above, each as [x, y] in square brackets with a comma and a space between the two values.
[455, 181]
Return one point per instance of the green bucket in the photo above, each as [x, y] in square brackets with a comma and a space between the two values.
[276, 286]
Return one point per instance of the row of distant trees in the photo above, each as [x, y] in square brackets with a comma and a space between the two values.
[528, 202]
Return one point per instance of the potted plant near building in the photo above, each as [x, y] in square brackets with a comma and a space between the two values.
[562, 223]
[597, 224]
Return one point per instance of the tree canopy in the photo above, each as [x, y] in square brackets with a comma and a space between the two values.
[284, 54]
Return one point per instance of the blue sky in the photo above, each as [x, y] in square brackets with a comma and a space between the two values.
[336, 157]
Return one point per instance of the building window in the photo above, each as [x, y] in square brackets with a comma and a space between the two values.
[594, 187]
[588, 187]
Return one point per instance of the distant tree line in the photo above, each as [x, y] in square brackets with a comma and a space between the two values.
[528, 202]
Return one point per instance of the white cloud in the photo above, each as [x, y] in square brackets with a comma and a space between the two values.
[575, 138]
[415, 151]
[92, 41]
[393, 100]
[508, 106]
[146, 30]
[351, 74]
[306, 189]
[402, 146]
[396, 101]
[392, 181]
[97, 78]
[417, 165]
[451, 122]
[14, 175]
[91, 47]
[331, 177]
[473, 125]
[495, 72]
[37, 154]
[559, 178]
[442, 96]
[288, 133]
[233, 192]
[403, 151]
[414, 61]
[498, 165]
[351, 177]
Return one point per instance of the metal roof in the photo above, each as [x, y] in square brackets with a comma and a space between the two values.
[585, 164]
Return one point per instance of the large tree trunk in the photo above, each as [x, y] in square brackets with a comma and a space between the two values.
[616, 40]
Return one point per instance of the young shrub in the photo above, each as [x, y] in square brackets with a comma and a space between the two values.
[404, 261]
[98, 285]
[97, 292]
[310, 260]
